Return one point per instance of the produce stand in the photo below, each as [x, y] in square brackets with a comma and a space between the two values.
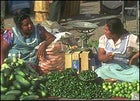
[20, 81]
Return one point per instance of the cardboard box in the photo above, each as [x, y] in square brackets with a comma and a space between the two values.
[87, 61]
[68, 60]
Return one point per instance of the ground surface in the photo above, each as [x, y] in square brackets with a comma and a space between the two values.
[89, 11]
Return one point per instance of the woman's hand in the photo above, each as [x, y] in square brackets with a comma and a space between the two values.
[110, 55]
[55, 48]
[103, 56]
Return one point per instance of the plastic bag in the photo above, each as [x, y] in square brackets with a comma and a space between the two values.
[135, 96]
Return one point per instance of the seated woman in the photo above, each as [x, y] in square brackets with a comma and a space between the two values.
[118, 51]
[22, 39]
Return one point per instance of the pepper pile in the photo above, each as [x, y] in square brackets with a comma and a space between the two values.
[68, 85]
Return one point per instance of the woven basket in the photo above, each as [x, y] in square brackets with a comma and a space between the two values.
[41, 6]
[40, 16]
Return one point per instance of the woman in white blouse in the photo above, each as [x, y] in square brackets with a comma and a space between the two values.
[118, 51]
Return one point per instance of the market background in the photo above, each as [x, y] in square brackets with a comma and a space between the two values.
[90, 12]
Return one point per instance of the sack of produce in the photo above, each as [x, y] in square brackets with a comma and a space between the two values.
[55, 57]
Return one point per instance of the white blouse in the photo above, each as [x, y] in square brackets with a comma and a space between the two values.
[133, 42]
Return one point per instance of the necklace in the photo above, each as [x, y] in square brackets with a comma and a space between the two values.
[17, 33]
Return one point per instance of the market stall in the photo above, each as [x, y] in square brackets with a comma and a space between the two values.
[75, 79]
[19, 81]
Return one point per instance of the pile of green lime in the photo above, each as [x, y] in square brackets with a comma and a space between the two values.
[121, 89]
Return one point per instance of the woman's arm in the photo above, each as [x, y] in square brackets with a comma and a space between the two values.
[4, 50]
[134, 58]
[103, 57]
[48, 39]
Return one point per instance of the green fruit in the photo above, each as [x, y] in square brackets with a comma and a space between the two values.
[7, 60]
[14, 59]
[19, 72]
[17, 64]
[7, 72]
[17, 85]
[11, 77]
[13, 92]
[2, 78]
[22, 81]
[20, 61]
[138, 88]
[8, 97]
[12, 87]
[4, 66]
[116, 89]
[30, 97]
[3, 89]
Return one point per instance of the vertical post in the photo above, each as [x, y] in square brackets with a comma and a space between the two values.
[2, 15]
[137, 17]
[41, 9]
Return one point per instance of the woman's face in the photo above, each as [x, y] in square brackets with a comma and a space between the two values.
[27, 26]
[107, 32]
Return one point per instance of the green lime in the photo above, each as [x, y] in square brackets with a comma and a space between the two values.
[116, 89]
[14, 59]
[104, 86]
[135, 82]
[117, 94]
[129, 96]
[130, 87]
[17, 64]
[110, 87]
[110, 90]
[120, 95]
[122, 91]
[138, 88]
[106, 89]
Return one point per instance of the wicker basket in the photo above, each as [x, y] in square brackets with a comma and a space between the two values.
[41, 6]
[40, 16]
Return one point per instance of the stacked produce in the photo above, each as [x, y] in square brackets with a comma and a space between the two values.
[68, 85]
[121, 89]
[19, 81]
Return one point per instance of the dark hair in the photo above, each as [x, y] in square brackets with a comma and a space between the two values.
[115, 26]
[19, 17]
